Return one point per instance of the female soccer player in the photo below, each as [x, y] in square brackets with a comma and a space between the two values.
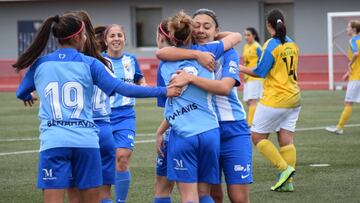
[64, 80]
[253, 86]
[279, 108]
[122, 117]
[229, 41]
[230, 112]
[353, 75]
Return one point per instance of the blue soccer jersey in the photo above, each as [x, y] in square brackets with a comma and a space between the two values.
[100, 105]
[64, 81]
[229, 108]
[192, 112]
[127, 69]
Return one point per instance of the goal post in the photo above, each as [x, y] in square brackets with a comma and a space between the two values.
[331, 36]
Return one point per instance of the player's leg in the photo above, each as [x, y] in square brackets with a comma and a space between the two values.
[209, 169]
[73, 195]
[236, 159]
[182, 165]
[217, 193]
[87, 173]
[252, 107]
[124, 142]
[107, 152]
[54, 173]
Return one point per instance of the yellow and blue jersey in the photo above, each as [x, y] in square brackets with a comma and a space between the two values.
[251, 54]
[355, 67]
[279, 65]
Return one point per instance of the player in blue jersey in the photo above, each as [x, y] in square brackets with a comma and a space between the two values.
[181, 114]
[64, 80]
[122, 118]
[101, 112]
[236, 149]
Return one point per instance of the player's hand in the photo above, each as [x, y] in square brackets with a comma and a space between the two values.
[182, 78]
[30, 102]
[207, 60]
[159, 145]
[173, 91]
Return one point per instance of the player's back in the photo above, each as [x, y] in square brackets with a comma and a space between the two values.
[192, 112]
[64, 84]
[281, 87]
[355, 68]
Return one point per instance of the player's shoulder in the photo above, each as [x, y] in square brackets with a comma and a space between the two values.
[129, 56]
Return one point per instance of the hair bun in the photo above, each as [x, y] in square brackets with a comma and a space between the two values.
[56, 18]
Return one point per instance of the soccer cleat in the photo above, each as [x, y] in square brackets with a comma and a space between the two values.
[334, 129]
[287, 187]
[284, 176]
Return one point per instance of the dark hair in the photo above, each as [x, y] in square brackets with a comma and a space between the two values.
[355, 24]
[164, 31]
[99, 36]
[208, 12]
[254, 33]
[62, 27]
[276, 20]
[91, 47]
[180, 28]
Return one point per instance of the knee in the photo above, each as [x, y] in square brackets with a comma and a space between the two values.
[122, 162]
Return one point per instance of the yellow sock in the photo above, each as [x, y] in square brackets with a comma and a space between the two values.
[288, 153]
[268, 149]
[344, 116]
[251, 113]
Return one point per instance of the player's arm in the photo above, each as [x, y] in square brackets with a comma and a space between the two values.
[159, 136]
[109, 84]
[229, 39]
[263, 67]
[26, 87]
[206, 59]
[218, 87]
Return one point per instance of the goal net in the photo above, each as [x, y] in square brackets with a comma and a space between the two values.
[338, 46]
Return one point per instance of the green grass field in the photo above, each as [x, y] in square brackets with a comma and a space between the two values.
[337, 183]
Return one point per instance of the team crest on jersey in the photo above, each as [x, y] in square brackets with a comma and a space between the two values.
[126, 61]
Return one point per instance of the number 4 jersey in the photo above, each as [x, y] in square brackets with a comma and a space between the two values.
[279, 65]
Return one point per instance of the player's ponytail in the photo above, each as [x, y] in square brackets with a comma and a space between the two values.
[37, 46]
[99, 36]
[276, 20]
[64, 28]
[180, 28]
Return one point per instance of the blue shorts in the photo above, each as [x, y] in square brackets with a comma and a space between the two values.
[236, 152]
[61, 168]
[124, 139]
[161, 162]
[194, 159]
[107, 152]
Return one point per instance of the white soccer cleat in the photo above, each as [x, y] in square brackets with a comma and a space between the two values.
[334, 129]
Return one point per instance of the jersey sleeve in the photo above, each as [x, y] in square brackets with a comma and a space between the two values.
[109, 84]
[215, 47]
[160, 83]
[138, 73]
[353, 45]
[265, 63]
[231, 66]
[258, 53]
[27, 85]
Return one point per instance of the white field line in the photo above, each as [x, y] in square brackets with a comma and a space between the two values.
[140, 141]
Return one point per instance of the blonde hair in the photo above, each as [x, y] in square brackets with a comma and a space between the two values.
[180, 28]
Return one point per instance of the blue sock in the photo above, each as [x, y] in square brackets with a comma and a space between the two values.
[122, 183]
[106, 201]
[162, 199]
[206, 199]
